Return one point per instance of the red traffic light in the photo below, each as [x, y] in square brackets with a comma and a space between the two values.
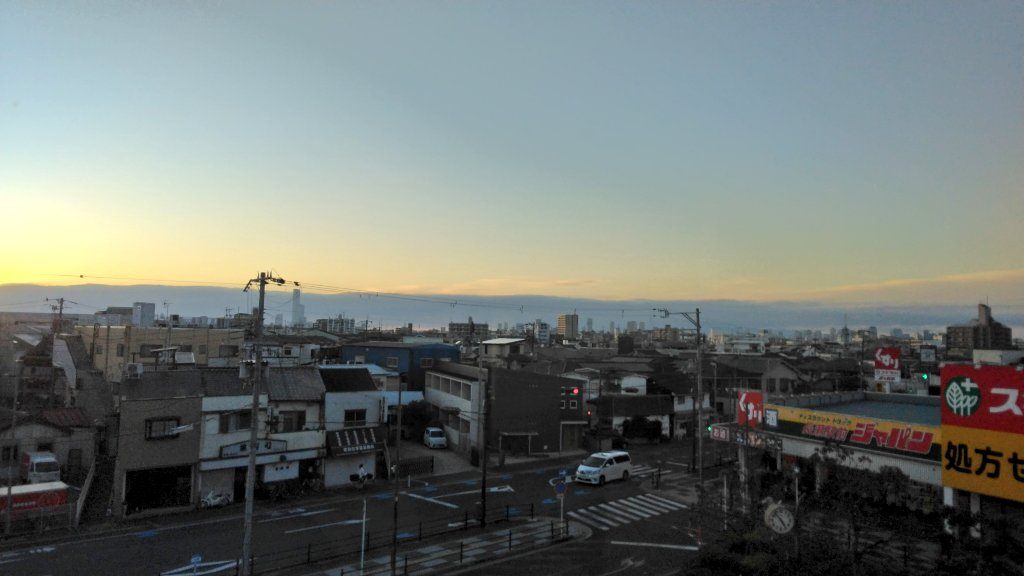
[575, 391]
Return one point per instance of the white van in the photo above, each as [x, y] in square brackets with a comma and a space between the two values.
[600, 467]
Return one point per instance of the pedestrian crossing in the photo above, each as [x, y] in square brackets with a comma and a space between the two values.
[642, 470]
[615, 513]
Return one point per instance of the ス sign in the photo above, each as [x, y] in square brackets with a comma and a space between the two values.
[887, 364]
[750, 408]
[983, 430]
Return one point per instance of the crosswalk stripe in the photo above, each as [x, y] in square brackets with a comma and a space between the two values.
[615, 509]
[637, 503]
[595, 518]
[633, 509]
[671, 503]
[642, 470]
[587, 521]
[608, 514]
[655, 504]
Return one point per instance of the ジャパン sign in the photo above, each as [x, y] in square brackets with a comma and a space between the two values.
[983, 430]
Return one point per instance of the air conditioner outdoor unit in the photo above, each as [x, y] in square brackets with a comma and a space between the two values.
[134, 370]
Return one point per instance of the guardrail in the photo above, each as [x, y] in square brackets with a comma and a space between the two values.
[347, 549]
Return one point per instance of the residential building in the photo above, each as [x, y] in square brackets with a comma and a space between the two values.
[612, 410]
[65, 432]
[505, 352]
[339, 325]
[157, 451]
[462, 331]
[143, 314]
[409, 360]
[982, 333]
[291, 349]
[112, 348]
[353, 410]
[569, 326]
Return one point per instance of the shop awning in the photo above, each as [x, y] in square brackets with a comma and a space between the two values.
[356, 440]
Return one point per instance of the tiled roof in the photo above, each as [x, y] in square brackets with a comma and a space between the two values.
[66, 417]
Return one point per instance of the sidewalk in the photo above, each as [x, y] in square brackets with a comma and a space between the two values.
[446, 557]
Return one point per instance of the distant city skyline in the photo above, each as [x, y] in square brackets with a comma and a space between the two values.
[837, 152]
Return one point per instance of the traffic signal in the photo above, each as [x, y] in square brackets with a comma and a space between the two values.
[575, 391]
[924, 376]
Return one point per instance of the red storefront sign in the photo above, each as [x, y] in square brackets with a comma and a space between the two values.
[887, 364]
[750, 408]
[988, 397]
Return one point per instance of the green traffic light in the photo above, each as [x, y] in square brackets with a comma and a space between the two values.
[924, 376]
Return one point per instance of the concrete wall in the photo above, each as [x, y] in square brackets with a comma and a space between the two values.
[525, 402]
[102, 343]
[337, 471]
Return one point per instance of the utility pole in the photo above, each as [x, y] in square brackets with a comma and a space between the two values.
[482, 386]
[395, 478]
[254, 420]
[694, 319]
[11, 463]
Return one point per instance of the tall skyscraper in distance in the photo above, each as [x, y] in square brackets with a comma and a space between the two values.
[631, 326]
[298, 309]
[643, 326]
[569, 326]
[590, 324]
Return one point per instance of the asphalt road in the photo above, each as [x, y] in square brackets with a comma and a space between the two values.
[618, 512]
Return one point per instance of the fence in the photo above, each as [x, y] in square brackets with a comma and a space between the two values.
[348, 548]
[412, 466]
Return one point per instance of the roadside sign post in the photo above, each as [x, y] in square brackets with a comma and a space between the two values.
[560, 494]
[196, 561]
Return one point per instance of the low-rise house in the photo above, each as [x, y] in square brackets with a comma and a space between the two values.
[65, 432]
[612, 410]
[158, 437]
[353, 408]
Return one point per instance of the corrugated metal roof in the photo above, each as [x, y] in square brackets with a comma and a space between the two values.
[347, 380]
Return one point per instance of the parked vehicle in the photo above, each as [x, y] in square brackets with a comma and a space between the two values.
[37, 467]
[601, 467]
[434, 438]
[215, 500]
[42, 498]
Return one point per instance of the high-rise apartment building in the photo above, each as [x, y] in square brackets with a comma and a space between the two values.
[298, 309]
[569, 326]
[983, 333]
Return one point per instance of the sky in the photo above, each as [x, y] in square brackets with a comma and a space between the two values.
[861, 152]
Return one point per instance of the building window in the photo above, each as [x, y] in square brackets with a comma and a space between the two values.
[202, 349]
[99, 348]
[161, 428]
[426, 362]
[184, 347]
[391, 362]
[287, 350]
[45, 447]
[360, 359]
[355, 418]
[120, 350]
[235, 421]
[9, 454]
[561, 404]
[292, 421]
[573, 404]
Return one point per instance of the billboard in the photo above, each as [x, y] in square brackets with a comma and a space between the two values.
[887, 364]
[872, 434]
[750, 408]
[983, 430]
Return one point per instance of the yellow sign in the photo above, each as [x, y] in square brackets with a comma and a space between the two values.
[917, 440]
[983, 461]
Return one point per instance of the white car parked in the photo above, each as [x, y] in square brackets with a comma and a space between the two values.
[600, 467]
[434, 438]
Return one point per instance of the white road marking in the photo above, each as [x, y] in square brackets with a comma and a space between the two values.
[299, 515]
[494, 489]
[670, 503]
[342, 523]
[646, 507]
[656, 545]
[434, 500]
[661, 506]
[586, 513]
[626, 510]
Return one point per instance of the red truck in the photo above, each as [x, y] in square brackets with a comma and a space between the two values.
[35, 499]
